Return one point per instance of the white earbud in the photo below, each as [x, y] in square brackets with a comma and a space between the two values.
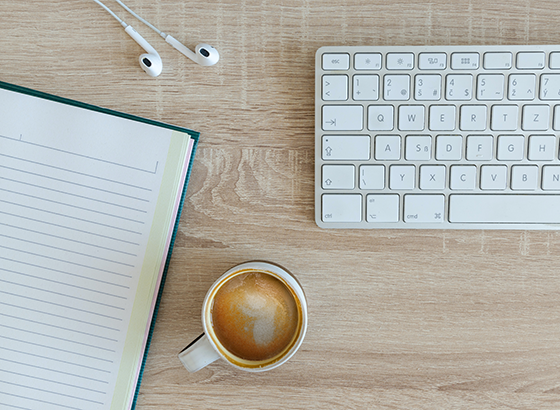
[151, 61]
[204, 54]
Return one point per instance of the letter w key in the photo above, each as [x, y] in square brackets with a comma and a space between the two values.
[411, 117]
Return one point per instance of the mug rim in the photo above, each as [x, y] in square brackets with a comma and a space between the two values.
[284, 274]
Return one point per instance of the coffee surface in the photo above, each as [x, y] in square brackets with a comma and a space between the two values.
[255, 316]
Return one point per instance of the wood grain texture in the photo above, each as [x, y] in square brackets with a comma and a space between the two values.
[398, 319]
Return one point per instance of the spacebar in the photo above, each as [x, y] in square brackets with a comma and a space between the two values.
[528, 209]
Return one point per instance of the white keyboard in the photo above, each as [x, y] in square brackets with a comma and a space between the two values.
[452, 137]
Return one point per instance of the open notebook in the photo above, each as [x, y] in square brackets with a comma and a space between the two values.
[89, 206]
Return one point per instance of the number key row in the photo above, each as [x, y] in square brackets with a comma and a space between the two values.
[428, 87]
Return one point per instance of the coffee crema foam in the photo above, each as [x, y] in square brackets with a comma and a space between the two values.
[255, 316]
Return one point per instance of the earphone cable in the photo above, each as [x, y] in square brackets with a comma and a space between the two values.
[111, 13]
[161, 33]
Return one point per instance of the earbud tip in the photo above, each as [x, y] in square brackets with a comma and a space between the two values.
[207, 55]
[151, 64]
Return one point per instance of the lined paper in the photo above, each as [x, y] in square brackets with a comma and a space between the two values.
[78, 192]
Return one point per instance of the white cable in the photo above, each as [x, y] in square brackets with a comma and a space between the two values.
[161, 33]
[111, 13]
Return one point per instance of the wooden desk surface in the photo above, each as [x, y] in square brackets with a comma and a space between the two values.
[398, 319]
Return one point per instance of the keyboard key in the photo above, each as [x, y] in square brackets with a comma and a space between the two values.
[480, 147]
[338, 176]
[542, 148]
[556, 122]
[432, 61]
[387, 147]
[464, 61]
[459, 87]
[427, 87]
[367, 61]
[493, 177]
[338, 61]
[424, 208]
[335, 87]
[396, 87]
[400, 61]
[496, 209]
[530, 60]
[554, 60]
[382, 208]
[536, 117]
[463, 177]
[411, 117]
[432, 177]
[343, 117]
[366, 87]
[551, 178]
[346, 147]
[497, 61]
[342, 207]
[524, 177]
[490, 87]
[380, 117]
[372, 177]
[522, 87]
[449, 147]
[418, 148]
[473, 117]
[442, 117]
[504, 117]
[550, 87]
[510, 147]
[402, 177]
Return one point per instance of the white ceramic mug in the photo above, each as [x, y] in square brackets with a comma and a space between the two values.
[208, 348]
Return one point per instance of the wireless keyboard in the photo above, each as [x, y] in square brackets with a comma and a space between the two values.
[452, 137]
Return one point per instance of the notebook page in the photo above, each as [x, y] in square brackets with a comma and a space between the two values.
[78, 194]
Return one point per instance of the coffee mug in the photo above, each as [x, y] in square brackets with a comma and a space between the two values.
[254, 317]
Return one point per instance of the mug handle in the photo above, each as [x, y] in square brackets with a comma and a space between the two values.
[198, 354]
